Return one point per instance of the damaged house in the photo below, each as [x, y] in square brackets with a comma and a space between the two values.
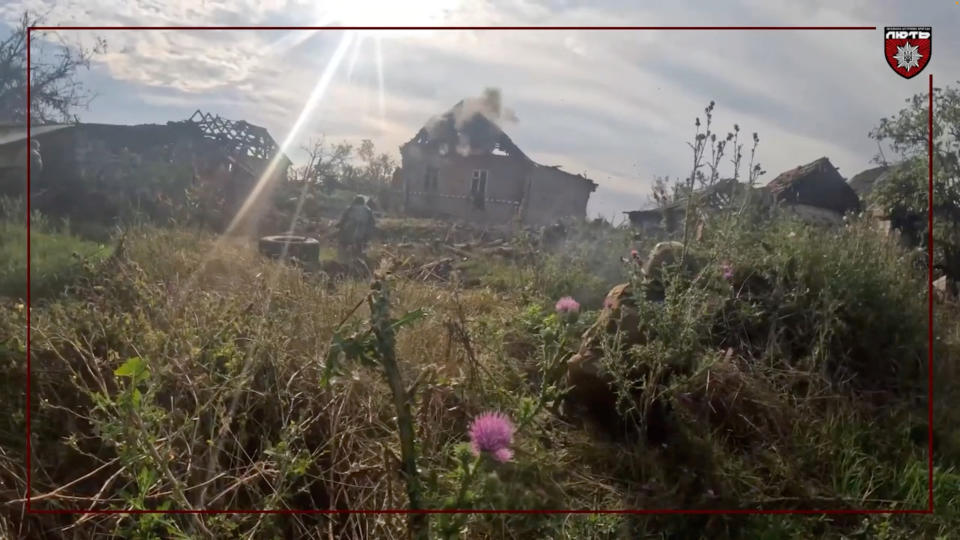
[719, 196]
[815, 192]
[83, 163]
[462, 166]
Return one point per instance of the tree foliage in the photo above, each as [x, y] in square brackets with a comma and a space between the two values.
[325, 166]
[344, 165]
[904, 195]
[55, 90]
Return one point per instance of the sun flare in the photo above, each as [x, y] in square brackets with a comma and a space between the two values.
[388, 13]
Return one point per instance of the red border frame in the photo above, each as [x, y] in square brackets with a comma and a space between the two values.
[928, 510]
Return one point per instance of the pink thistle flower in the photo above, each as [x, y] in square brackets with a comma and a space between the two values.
[492, 432]
[727, 269]
[609, 303]
[567, 305]
[634, 254]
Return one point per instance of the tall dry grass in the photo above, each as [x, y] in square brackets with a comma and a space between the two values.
[184, 373]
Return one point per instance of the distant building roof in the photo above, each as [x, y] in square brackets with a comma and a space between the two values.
[556, 168]
[465, 133]
[864, 181]
[815, 184]
[469, 132]
[239, 137]
[717, 196]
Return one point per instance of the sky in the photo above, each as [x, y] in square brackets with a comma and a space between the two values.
[617, 106]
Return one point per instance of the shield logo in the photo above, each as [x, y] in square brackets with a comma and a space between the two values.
[907, 49]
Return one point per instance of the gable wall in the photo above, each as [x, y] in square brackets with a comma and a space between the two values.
[506, 179]
[556, 195]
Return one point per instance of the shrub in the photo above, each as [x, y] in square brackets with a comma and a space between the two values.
[58, 258]
[904, 196]
[783, 329]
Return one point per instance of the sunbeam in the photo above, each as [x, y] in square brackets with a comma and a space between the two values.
[319, 90]
[353, 57]
[380, 99]
[289, 41]
[309, 106]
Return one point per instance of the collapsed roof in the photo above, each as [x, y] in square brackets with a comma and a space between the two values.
[238, 137]
[466, 133]
[815, 184]
[717, 196]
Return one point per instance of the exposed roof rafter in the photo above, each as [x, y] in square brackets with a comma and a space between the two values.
[239, 137]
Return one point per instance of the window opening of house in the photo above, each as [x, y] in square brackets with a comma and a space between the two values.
[478, 188]
[430, 179]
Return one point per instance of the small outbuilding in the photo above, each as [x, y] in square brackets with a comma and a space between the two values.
[817, 186]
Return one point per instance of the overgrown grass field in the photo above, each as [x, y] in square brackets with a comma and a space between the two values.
[57, 256]
[788, 372]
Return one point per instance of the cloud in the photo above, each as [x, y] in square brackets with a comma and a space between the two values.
[617, 105]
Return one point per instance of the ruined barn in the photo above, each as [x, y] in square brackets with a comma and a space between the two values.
[661, 218]
[85, 163]
[462, 166]
[670, 217]
[816, 192]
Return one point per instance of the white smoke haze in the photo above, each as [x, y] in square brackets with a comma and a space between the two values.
[458, 128]
[489, 104]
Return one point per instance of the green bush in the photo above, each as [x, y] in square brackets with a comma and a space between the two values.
[58, 259]
[847, 303]
[904, 196]
[780, 368]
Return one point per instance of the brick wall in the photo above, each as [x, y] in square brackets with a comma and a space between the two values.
[506, 179]
[555, 194]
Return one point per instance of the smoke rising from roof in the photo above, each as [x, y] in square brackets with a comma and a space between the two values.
[472, 127]
[490, 104]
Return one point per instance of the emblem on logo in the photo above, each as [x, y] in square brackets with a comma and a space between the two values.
[907, 49]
